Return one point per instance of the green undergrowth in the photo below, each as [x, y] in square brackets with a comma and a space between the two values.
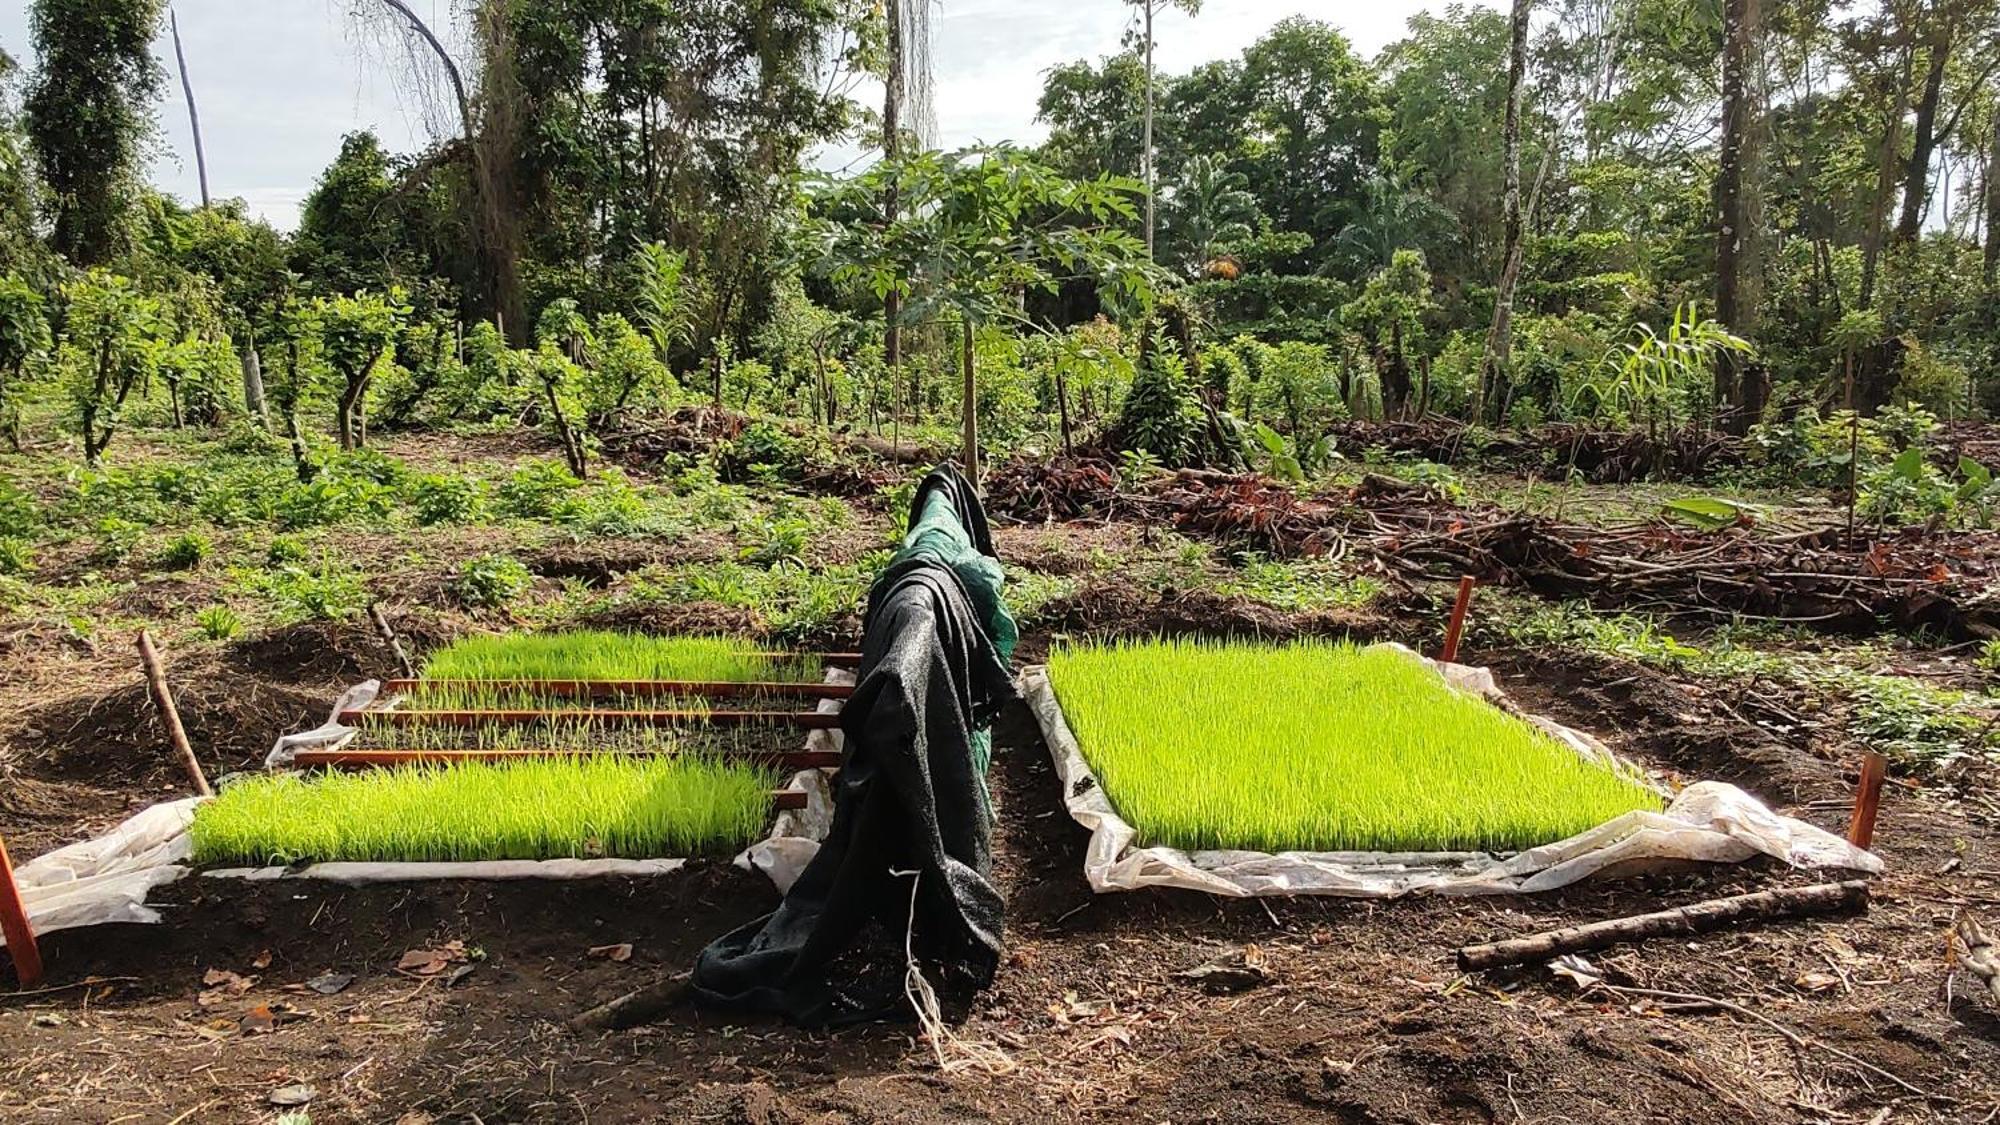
[602, 655]
[579, 807]
[1920, 725]
[1319, 746]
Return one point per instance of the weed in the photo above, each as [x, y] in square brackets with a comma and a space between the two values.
[17, 557]
[117, 538]
[284, 549]
[490, 581]
[1320, 746]
[326, 592]
[440, 499]
[185, 552]
[1989, 655]
[218, 623]
[1301, 587]
[540, 490]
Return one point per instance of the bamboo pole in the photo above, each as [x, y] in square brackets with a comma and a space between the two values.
[1456, 629]
[1696, 918]
[390, 638]
[156, 678]
[15, 928]
[194, 116]
[1867, 800]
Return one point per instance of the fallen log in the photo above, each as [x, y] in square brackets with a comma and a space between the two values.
[639, 1006]
[1696, 918]
[1979, 953]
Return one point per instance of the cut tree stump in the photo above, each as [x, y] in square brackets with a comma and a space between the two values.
[1696, 918]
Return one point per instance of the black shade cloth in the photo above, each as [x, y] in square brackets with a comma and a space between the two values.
[908, 797]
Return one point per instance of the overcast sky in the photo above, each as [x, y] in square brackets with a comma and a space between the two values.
[279, 81]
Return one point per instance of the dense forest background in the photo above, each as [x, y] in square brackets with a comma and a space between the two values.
[1740, 215]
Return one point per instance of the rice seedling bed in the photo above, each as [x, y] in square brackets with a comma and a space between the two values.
[1320, 746]
[390, 745]
[545, 808]
[605, 655]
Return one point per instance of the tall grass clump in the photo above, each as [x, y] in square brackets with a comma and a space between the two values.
[577, 807]
[602, 655]
[1319, 746]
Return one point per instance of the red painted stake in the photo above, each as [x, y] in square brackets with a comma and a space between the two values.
[14, 925]
[1457, 627]
[1867, 800]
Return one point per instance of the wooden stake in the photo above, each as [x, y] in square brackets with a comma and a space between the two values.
[1456, 629]
[1867, 800]
[1700, 917]
[156, 678]
[390, 638]
[14, 926]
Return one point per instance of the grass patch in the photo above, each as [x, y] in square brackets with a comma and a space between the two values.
[578, 807]
[600, 655]
[1319, 746]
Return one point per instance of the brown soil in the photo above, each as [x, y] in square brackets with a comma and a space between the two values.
[1364, 1021]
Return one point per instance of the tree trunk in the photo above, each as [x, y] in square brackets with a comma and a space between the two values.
[253, 385]
[1146, 154]
[194, 117]
[1732, 228]
[1885, 182]
[1993, 205]
[970, 408]
[1500, 339]
[892, 147]
[1396, 376]
[1923, 143]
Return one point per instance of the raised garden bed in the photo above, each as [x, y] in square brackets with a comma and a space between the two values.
[1321, 747]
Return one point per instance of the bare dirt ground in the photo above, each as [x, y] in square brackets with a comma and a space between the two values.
[1365, 1018]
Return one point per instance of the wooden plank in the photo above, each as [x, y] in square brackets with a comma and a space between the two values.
[401, 717]
[784, 799]
[1867, 800]
[360, 759]
[606, 689]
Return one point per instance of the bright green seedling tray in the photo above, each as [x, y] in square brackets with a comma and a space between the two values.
[561, 808]
[1320, 746]
[601, 655]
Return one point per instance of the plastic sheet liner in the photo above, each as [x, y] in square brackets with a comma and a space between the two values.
[107, 879]
[1708, 822]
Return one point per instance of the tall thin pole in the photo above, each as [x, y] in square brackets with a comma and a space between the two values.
[1147, 156]
[194, 116]
[892, 303]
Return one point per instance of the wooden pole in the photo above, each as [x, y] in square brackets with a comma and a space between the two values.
[390, 638]
[1867, 800]
[1696, 918]
[14, 926]
[1456, 629]
[187, 91]
[156, 678]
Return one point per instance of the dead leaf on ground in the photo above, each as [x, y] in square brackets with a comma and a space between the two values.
[298, 1093]
[1817, 982]
[262, 960]
[222, 986]
[431, 962]
[620, 952]
[329, 984]
[1237, 971]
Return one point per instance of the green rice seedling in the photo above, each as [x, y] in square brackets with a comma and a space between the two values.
[1320, 746]
[576, 807]
[577, 735]
[599, 655]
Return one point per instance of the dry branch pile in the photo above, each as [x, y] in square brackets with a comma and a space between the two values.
[1909, 578]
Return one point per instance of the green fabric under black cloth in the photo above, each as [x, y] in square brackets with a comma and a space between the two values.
[910, 795]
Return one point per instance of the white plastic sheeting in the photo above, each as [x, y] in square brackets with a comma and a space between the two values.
[106, 879]
[1708, 822]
